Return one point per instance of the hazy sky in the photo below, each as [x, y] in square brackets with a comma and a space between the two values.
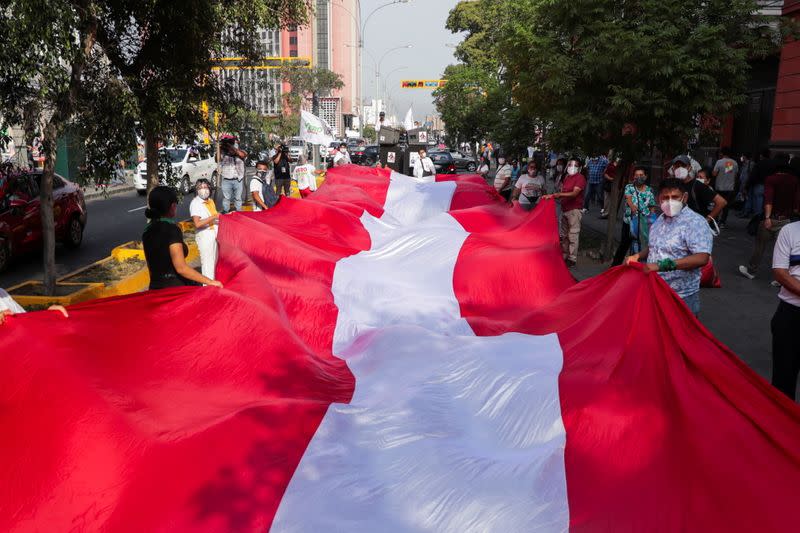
[419, 23]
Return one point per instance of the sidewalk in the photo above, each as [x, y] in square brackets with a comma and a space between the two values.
[739, 313]
[91, 191]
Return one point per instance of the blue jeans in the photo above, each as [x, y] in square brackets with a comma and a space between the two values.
[754, 205]
[593, 191]
[232, 189]
[693, 301]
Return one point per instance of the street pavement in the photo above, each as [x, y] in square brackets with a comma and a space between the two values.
[111, 222]
[739, 313]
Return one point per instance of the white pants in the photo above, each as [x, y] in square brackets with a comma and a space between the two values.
[207, 246]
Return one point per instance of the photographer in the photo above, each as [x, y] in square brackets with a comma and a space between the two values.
[283, 172]
[231, 168]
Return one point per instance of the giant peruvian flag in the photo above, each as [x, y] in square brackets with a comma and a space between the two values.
[390, 355]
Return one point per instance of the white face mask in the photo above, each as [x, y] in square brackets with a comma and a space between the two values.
[681, 173]
[572, 170]
[531, 172]
[671, 208]
[204, 194]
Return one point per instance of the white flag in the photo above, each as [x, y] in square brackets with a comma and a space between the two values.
[408, 123]
[314, 130]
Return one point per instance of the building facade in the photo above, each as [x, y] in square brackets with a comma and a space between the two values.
[331, 40]
[258, 87]
[786, 117]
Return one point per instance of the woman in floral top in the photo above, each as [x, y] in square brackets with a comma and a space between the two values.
[639, 200]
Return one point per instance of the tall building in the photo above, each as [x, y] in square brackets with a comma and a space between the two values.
[331, 40]
[259, 88]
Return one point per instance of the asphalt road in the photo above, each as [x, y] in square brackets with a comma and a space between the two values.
[111, 221]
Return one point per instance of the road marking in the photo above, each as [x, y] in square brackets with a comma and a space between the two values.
[138, 209]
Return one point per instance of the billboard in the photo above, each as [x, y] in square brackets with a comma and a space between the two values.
[422, 84]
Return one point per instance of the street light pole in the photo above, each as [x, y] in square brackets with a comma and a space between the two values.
[380, 62]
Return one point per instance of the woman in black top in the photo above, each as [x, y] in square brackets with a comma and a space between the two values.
[163, 244]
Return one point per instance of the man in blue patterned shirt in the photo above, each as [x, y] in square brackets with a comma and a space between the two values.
[680, 244]
[596, 167]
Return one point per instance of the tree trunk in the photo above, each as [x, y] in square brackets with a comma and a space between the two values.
[151, 158]
[46, 208]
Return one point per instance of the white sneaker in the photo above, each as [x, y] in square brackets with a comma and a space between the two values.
[775, 284]
[745, 272]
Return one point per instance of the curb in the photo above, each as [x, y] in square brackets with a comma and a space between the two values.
[91, 195]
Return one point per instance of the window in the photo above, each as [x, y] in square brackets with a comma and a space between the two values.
[58, 183]
[293, 40]
[292, 53]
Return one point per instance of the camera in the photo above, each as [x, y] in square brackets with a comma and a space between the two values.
[284, 149]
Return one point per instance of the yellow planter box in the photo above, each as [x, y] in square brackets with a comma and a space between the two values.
[129, 250]
[72, 293]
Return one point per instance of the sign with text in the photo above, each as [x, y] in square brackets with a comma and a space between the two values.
[422, 84]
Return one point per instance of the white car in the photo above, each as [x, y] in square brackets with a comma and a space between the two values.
[190, 163]
[297, 147]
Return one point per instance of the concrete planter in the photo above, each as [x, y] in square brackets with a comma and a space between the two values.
[66, 294]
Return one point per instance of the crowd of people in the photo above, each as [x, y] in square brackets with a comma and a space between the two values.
[670, 228]
[164, 246]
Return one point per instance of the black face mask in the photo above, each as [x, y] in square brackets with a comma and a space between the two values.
[262, 173]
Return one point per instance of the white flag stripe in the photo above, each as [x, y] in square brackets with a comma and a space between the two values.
[446, 431]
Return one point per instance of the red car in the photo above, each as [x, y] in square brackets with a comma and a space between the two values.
[21, 219]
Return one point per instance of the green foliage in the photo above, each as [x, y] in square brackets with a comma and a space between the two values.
[629, 74]
[306, 82]
[369, 133]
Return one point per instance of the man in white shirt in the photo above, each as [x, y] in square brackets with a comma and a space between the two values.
[341, 157]
[786, 321]
[305, 176]
[232, 172]
[261, 190]
[424, 167]
[502, 178]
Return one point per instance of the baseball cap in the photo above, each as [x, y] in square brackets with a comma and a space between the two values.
[681, 159]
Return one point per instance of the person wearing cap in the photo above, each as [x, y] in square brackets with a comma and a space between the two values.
[781, 191]
[701, 198]
[231, 168]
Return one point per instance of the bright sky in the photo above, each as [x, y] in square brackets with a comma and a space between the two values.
[419, 23]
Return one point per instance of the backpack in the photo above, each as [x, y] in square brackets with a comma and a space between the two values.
[268, 194]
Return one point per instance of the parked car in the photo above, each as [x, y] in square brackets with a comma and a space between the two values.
[189, 162]
[332, 147]
[21, 219]
[443, 161]
[356, 153]
[371, 155]
[297, 147]
[464, 161]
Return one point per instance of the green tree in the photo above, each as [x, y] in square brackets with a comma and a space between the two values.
[109, 66]
[307, 83]
[464, 103]
[44, 60]
[634, 75]
[164, 52]
[369, 133]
